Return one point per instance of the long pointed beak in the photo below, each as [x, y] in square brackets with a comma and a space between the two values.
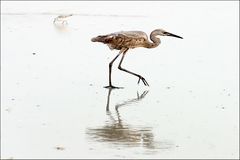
[173, 35]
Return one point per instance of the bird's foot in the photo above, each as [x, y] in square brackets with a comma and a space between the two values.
[113, 87]
[143, 80]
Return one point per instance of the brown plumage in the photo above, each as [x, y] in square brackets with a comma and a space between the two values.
[126, 40]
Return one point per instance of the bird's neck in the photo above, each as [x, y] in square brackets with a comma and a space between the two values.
[155, 41]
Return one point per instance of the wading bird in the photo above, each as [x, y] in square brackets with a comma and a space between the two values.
[126, 40]
[62, 18]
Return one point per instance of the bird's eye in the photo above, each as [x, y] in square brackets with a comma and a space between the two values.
[165, 33]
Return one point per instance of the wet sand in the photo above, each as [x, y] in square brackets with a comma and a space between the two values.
[53, 104]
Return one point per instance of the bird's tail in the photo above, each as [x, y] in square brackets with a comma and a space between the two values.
[103, 39]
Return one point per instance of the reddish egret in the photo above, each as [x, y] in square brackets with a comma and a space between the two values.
[126, 40]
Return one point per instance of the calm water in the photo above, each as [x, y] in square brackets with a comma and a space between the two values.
[53, 104]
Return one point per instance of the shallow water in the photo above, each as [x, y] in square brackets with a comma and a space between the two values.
[53, 104]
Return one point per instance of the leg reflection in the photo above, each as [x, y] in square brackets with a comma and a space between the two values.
[124, 103]
[108, 99]
[131, 101]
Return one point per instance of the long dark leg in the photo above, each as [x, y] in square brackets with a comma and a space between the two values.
[139, 76]
[110, 72]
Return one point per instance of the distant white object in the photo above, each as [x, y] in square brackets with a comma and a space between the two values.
[62, 18]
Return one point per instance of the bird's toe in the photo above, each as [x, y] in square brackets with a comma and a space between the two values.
[113, 87]
[143, 80]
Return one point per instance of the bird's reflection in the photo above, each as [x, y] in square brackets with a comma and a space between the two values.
[117, 132]
[61, 27]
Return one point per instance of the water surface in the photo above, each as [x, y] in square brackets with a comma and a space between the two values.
[53, 104]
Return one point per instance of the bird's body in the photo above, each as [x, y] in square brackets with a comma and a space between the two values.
[125, 40]
[62, 18]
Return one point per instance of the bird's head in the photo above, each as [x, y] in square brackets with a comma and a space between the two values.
[162, 32]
